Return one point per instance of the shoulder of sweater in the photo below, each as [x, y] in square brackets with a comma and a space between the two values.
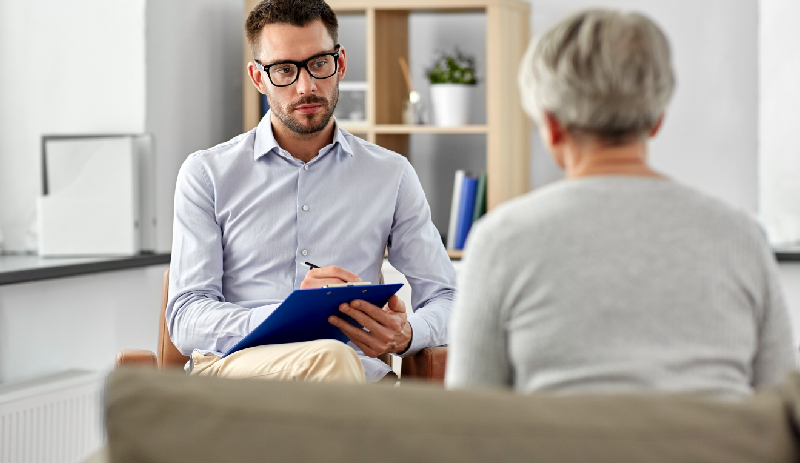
[548, 202]
[715, 208]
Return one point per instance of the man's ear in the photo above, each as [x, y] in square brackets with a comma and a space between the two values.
[257, 77]
[657, 127]
[342, 63]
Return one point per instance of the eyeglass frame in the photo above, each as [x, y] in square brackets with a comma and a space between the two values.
[302, 65]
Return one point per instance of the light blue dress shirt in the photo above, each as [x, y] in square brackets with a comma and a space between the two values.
[248, 215]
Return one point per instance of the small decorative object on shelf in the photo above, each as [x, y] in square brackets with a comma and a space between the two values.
[412, 113]
[352, 102]
[452, 79]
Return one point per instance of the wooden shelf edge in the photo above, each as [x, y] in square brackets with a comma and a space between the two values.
[355, 5]
[433, 129]
[355, 127]
[400, 129]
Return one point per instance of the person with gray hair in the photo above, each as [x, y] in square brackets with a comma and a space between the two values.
[615, 279]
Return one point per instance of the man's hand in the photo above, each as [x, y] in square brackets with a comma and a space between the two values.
[331, 275]
[389, 330]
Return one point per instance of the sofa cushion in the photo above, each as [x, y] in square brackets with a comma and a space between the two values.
[169, 417]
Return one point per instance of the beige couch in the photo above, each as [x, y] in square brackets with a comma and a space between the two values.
[166, 417]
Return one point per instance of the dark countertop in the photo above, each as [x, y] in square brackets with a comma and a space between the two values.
[21, 268]
[788, 254]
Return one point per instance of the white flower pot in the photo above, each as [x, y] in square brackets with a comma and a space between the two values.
[451, 104]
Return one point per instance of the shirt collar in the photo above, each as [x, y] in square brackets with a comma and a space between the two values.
[265, 139]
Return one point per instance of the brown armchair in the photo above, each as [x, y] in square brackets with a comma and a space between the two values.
[428, 364]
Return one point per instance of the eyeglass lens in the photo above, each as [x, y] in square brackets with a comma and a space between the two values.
[320, 67]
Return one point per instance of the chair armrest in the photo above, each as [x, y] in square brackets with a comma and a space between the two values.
[428, 364]
[130, 357]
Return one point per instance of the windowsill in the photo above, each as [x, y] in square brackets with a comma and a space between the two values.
[22, 268]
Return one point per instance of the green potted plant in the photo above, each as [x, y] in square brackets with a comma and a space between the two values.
[452, 79]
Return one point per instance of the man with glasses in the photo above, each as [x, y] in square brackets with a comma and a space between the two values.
[249, 214]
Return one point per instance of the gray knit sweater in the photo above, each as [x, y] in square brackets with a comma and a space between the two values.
[619, 284]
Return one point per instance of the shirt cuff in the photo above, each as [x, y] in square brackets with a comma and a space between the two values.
[420, 335]
[374, 369]
[258, 315]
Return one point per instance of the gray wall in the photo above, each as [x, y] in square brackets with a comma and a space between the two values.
[194, 86]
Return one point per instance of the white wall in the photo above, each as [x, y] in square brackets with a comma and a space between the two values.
[90, 66]
[709, 138]
[779, 154]
[779, 100]
[67, 67]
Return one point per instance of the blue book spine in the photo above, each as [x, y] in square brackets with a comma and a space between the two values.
[465, 210]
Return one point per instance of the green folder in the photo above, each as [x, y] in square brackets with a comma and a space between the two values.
[480, 198]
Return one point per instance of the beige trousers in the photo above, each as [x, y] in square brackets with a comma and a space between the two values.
[322, 360]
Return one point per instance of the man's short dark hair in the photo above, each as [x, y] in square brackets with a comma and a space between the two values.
[294, 12]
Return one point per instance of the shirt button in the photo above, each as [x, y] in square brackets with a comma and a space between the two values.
[305, 167]
[305, 253]
[305, 208]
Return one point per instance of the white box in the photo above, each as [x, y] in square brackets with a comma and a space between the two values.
[94, 202]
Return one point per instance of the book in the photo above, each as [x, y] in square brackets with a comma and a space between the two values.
[480, 198]
[303, 316]
[465, 210]
[454, 204]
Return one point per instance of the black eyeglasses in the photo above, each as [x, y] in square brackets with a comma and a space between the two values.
[285, 73]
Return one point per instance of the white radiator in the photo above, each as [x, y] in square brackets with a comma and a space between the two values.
[54, 419]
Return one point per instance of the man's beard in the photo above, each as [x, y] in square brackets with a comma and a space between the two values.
[294, 124]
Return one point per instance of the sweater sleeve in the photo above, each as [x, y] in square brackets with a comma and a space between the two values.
[478, 353]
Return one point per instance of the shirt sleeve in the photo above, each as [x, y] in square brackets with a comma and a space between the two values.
[416, 250]
[478, 354]
[198, 317]
[776, 354]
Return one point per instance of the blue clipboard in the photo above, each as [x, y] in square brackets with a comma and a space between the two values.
[303, 316]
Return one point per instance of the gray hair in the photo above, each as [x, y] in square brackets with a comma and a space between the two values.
[599, 72]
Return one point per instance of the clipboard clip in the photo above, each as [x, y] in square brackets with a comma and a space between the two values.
[344, 285]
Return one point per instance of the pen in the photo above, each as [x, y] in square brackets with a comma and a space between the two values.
[311, 266]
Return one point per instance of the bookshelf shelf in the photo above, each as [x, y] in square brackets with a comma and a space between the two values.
[455, 254]
[387, 39]
[432, 129]
[399, 129]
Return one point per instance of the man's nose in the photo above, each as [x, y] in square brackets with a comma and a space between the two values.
[305, 83]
